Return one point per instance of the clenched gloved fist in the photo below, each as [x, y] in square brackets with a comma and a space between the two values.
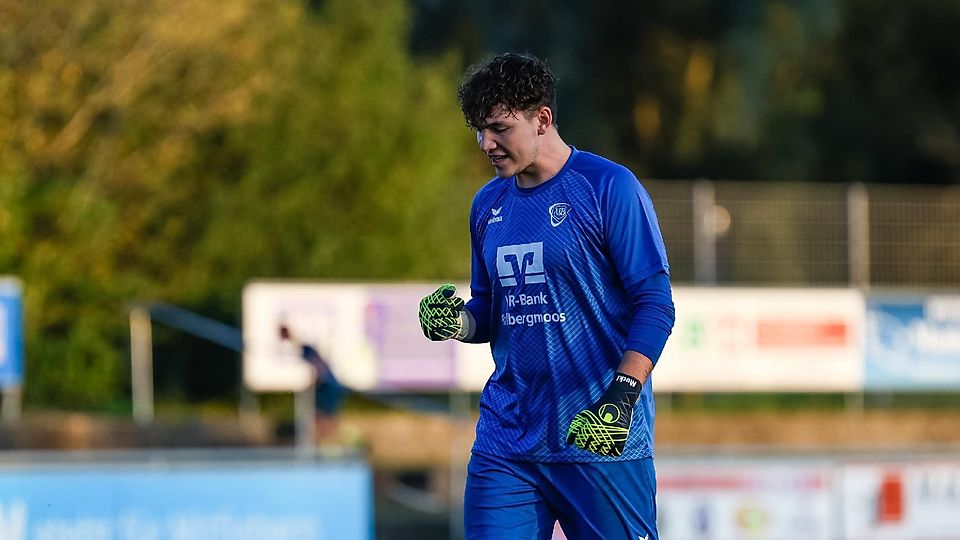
[603, 427]
[441, 314]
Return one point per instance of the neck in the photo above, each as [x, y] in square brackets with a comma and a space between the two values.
[549, 161]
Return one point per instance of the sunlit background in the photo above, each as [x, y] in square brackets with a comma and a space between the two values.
[179, 179]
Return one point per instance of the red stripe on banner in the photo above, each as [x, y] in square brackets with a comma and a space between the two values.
[773, 333]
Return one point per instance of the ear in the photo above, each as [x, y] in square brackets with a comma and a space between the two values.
[544, 120]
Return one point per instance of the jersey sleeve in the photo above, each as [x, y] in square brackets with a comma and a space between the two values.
[631, 230]
[636, 248]
[653, 315]
[479, 305]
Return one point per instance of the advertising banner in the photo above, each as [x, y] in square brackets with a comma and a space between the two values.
[912, 342]
[11, 333]
[768, 500]
[199, 502]
[901, 501]
[369, 334]
[757, 339]
[725, 339]
[822, 498]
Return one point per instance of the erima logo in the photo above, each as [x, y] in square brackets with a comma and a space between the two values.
[558, 213]
[496, 211]
[521, 260]
[497, 218]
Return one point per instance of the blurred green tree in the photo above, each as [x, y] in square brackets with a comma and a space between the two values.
[890, 81]
[819, 90]
[172, 150]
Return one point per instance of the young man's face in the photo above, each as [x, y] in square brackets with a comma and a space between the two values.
[510, 140]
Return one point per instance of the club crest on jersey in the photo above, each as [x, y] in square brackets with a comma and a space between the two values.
[558, 213]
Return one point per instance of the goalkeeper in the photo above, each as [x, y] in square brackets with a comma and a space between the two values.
[570, 286]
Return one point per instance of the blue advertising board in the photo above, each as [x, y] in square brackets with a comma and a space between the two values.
[279, 501]
[912, 342]
[11, 333]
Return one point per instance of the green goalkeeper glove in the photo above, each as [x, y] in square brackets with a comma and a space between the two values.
[604, 426]
[442, 316]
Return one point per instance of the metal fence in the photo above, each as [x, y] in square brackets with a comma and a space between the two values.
[762, 233]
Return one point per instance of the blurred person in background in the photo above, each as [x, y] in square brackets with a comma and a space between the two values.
[328, 392]
[570, 286]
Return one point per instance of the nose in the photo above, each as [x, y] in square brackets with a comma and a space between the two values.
[485, 141]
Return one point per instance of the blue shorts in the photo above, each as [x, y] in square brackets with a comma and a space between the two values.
[517, 500]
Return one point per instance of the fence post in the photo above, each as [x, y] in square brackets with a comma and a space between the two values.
[858, 246]
[12, 404]
[141, 365]
[305, 418]
[858, 235]
[704, 233]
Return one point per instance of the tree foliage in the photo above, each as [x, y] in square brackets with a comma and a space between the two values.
[818, 90]
[173, 150]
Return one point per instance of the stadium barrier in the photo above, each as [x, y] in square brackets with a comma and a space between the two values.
[183, 495]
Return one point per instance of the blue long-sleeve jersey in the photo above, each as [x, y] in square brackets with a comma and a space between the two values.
[566, 276]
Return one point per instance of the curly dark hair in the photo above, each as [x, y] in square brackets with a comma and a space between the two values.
[518, 82]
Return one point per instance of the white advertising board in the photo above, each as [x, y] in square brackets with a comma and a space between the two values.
[902, 501]
[764, 339]
[369, 334]
[717, 501]
[724, 340]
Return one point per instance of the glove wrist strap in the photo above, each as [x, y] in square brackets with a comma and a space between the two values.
[626, 386]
